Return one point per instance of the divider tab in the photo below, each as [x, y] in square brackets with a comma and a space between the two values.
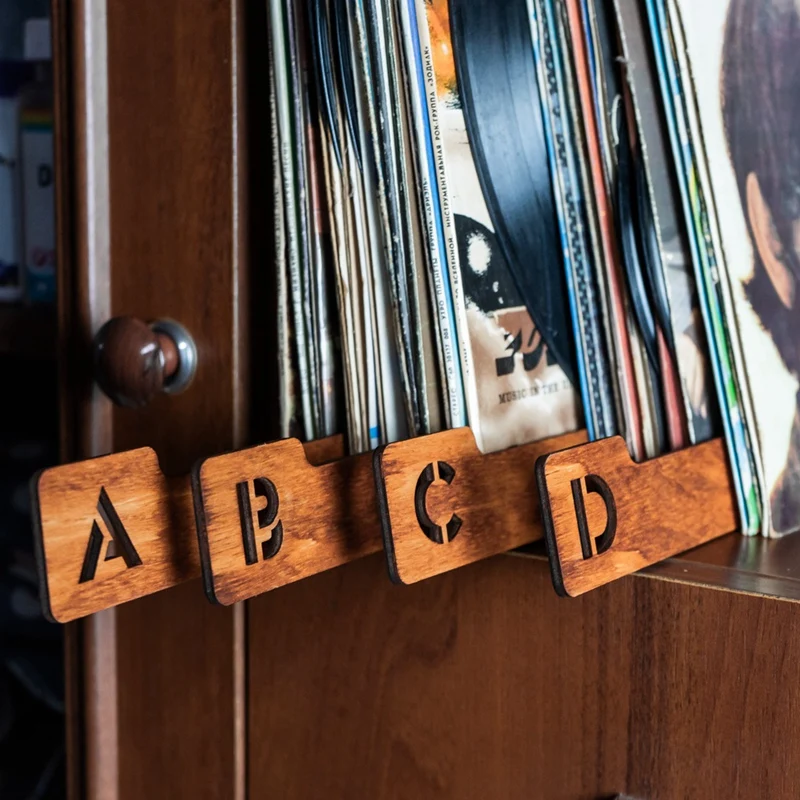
[115, 528]
[267, 517]
[606, 517]
[109, 530]
[445, 504]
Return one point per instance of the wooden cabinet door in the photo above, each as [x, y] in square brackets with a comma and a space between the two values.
[150, 156]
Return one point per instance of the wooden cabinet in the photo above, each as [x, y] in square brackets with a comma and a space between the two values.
[478, 683]
[153, 211]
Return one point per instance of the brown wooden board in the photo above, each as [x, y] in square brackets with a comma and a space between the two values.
[482, 684]
[109, 530]
[606, 516]
[445, 504]
[267, 517]
[156, 167]
[115, 528]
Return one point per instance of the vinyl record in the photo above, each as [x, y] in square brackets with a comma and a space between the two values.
[496, 73]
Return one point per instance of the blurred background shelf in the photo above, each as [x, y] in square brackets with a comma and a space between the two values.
[28, 331]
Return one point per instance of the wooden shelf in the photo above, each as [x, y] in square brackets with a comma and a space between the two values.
[751, 564]
[27, 331]
[735, 563]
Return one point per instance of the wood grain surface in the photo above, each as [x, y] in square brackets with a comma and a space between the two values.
[475, 505]
[154, 219]
[154, 513]
[482, 683]
[651, 510]
[325, 516]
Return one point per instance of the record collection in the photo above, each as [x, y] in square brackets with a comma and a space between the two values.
[533, 216]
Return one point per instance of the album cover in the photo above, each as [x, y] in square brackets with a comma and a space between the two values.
[523, 393]
[745, 61]
[683, 325]
[597, 91]
[421, 143]
[710, 271]
[595, 377]
[392, 413]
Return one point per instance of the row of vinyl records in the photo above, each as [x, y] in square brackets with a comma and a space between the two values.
[531, 216]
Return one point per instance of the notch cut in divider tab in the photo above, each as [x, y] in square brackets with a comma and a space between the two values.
[444, 504]
[606, 516]
[267, 517]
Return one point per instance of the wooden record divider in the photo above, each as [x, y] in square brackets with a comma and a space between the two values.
[114, 528]
[444, 505]
[267, 517]
[606, 516]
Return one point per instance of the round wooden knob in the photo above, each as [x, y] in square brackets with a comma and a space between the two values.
[134, 360]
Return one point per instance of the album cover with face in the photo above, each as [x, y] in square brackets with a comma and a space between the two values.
[744, 57]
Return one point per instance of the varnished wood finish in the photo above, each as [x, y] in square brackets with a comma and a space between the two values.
[650, 511]
[159, 230]
[482, 683]
[132, 361]
[489, 506]
[153, 514]
[325, 516]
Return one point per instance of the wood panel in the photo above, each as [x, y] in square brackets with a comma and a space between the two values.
[606, 516]
[483, 683]
[267, 516]
[159, 230]
[444, 503]
[110, 530]
[178, 249]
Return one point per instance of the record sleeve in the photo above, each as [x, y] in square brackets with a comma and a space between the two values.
[292, 217]
[747, 79]
[712, 301]
[446, 325]
[286, 373]
[392, 413]
[687, 338]
[523, 393]
[593, 93]
[382, 117]
[595, 376]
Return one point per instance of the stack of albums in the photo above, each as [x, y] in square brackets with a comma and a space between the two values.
[531, 216]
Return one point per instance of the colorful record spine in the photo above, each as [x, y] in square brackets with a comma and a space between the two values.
[448, 229]
[704, 258]
[593, 370]
[279, 31]
[679, 58]
[434, 227]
